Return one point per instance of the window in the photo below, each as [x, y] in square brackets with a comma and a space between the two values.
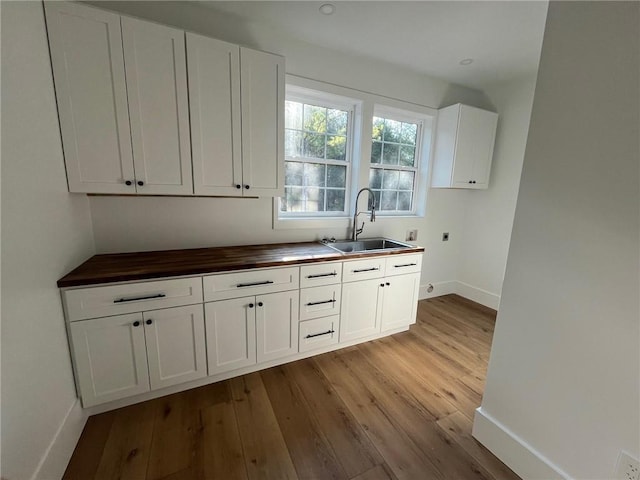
[393, 172]
[317, 156]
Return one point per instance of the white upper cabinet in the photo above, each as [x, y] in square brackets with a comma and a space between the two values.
[88, 67]
[465, 137]
[236, 97]
[214, 98]
[156, 73]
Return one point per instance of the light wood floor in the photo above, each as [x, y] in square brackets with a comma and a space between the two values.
[396, 408]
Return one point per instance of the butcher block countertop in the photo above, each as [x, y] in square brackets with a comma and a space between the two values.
[123, 267]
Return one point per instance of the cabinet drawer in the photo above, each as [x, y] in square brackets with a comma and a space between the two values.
[319, 301]
[319, 332]
[83, 303]
[363, 269]
[400, 264]
[250, 282]
[320, 274]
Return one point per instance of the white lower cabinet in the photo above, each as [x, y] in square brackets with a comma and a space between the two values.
[319, 332]
[400, 301]
[360, 314]
[243, 331]
[110, 358]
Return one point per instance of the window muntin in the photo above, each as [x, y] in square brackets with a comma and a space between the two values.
[317, 158]
[394, 164]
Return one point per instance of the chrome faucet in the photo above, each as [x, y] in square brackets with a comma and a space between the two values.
[372, 207]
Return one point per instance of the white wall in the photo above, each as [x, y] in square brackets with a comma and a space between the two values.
[564, 374]
[133, 224]
[45, 232]
[489, 213]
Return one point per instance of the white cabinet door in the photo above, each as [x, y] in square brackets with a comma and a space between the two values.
[277, 325]
[214, 101]
[88, 68]
[360, 313]
[231, 334]
[175, 345]
[156, 72]
[110, 358]
[400, 301]
[262, 99]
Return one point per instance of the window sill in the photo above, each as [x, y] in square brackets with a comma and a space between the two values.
[309, 222]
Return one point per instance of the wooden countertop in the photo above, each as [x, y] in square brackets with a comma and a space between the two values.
[123, 267]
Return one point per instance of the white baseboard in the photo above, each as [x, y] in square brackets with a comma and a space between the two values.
[517, 454]
[478, 295]
[55, 460]
[439, 288]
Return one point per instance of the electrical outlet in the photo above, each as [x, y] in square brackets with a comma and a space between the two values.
[628, 467]
[445, 237]
[412, 235]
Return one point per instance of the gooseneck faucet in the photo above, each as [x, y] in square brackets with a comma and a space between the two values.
[372, 207]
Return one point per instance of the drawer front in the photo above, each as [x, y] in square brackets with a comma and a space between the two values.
[400, 264]
[83, 303]
[363, 269]
[320, 274]
[319, 332]
[250, 282]
[319, 301]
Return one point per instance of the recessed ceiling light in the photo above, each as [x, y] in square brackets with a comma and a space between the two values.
[327, 8]
[466, 61]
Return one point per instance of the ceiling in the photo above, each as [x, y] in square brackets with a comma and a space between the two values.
[502, 37]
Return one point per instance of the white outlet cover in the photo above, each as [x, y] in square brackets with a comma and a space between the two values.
[628, 468]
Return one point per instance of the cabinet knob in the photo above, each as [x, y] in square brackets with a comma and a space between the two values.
[238, 186]
[136, 323]
[260, 304]
[251, 305]
[474, 181]
[140, 182]
[128, 183]
[387, 284]
[470, 181]
[382, 284]
[149, 322]
[247, 187]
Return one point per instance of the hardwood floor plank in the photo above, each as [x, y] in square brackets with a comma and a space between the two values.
[352, 447]
[126, 451]
[311, 452]
[265, 452]
[458, 427]
[379, 472]
[88, 451]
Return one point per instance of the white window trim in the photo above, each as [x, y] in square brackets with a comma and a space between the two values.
[364, 106]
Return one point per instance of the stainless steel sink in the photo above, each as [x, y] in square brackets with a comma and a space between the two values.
[367, 244]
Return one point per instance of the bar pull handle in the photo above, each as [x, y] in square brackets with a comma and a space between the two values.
[136, 299]
[333, 274]
[266, 282]
[320, 303]
[366, 270]
[406, 265]
[328, 332]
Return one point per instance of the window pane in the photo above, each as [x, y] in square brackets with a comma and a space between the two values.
[390, 179]
[337, 121]
[292, 200]
[378, 128]
[315, 199]
[314, 174]
[293, 173]
[376, 152]
[408, 133]
[336, 148]
[389, 200]
[313, 145]
[404, 200]
[377, 196]
[336, 176]
[406, 181]
[315, 119]
[392, 130]
[292, 143]
[407, 156]
[335, 200]
[293, 115]
[375, 178]
[390, 154]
